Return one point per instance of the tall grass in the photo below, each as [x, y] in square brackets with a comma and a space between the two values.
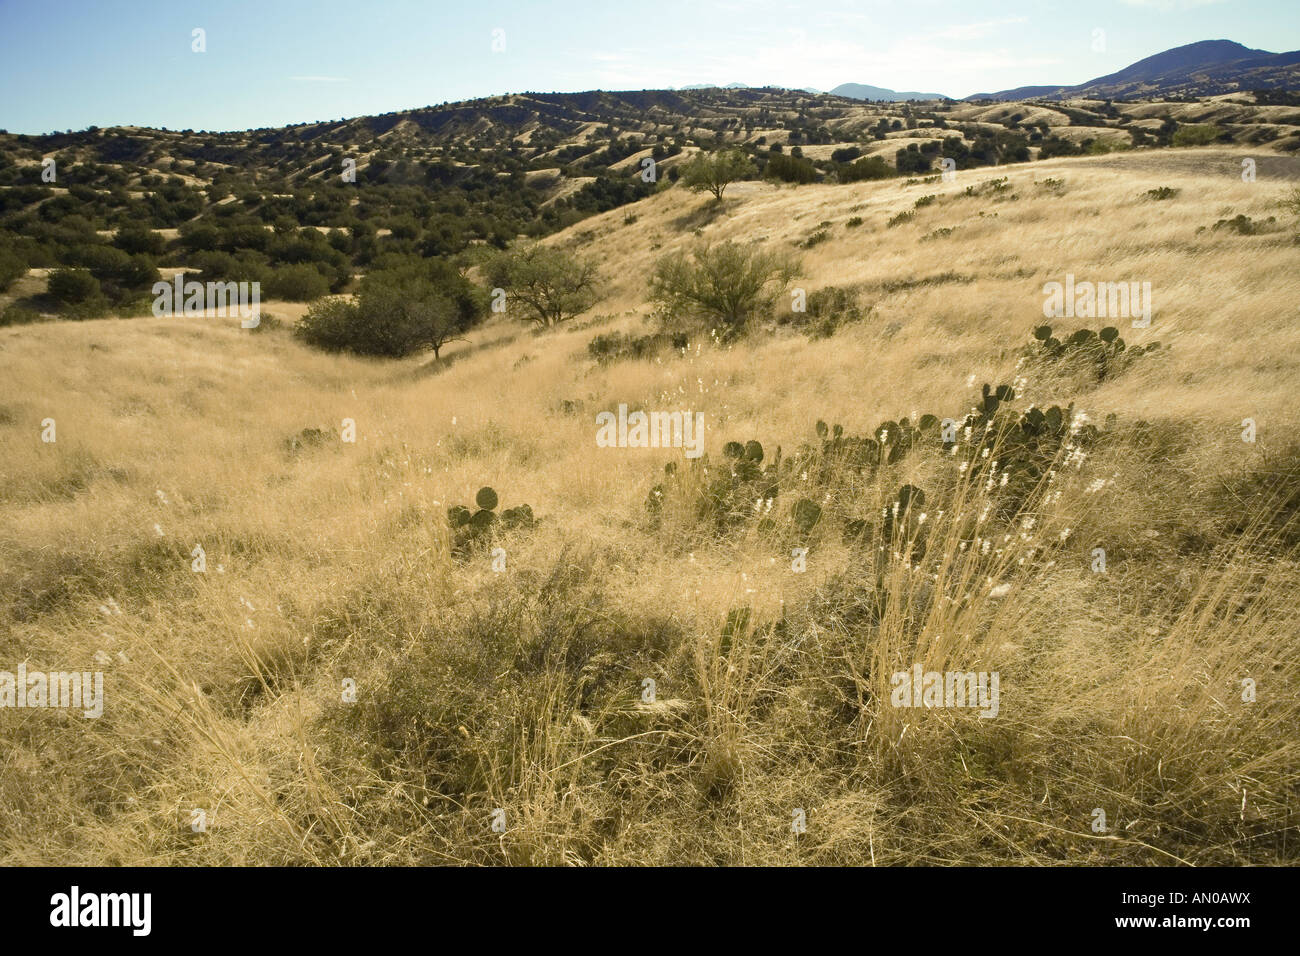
[526, 691]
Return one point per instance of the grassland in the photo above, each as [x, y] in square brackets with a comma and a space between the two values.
[522, 690]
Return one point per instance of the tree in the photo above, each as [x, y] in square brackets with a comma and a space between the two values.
[397, 312]
[729, 282]
[553, 285]
[714, 172]
[1291, 201]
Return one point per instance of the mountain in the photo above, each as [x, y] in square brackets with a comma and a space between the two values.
[1206, 68]
[864, 91]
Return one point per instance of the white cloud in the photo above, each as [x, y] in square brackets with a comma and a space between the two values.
[1166, 6]
[977, 31]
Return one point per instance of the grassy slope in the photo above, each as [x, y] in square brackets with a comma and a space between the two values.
[520, 690]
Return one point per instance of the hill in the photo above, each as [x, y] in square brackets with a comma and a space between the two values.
[646, 675]
[1205, 68]
[307, 209]
[864, 91]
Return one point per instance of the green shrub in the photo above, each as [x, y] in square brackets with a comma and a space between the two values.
[18, 315]
[1201, 134]
[616, 346]
[827, 310]
[396, 313]
[297, 283]
[867, 168]
[790, 169]
[12, 268]
[729, 282]
[73, 286]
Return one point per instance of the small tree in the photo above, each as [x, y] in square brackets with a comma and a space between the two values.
[729, 282]
[397, 312]
[716, 171]
[1291, 201]
[553, 285]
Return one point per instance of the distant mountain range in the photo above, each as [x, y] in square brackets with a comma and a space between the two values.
[864, 91]
[1206, 68]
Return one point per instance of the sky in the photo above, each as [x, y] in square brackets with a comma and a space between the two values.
[70, 64]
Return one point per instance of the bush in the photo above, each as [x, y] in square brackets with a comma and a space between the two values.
[397, 313]
[827, 310]
[551, 284]
[911, 160]
[18, 315]
[615, 346]
[872, 167]
[729, 282]
[1200, 134]
[300, 283]
[73, 286]
[137, 240]
[12, 268]
[790, 169]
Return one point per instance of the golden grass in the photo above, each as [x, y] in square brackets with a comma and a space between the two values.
[522, 690]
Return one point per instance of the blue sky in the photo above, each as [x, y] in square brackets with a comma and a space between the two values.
[68, 65]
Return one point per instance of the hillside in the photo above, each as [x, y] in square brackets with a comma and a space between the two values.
[524, 689]
[307, 210]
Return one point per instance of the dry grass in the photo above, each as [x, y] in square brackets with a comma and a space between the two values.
[522, 690]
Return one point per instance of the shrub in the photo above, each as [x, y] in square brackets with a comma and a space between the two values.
[790, 169]
[12, 268]
[1200, 134]
[18, 315]
[911, 160]
[397, 313]
[867, 168]
[1291, 202]
[826, 310]
[73, 286]
[552, 285]
[729, 282]
[1243, 225]
[615, 346]
[136, 239]
[297, 283]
